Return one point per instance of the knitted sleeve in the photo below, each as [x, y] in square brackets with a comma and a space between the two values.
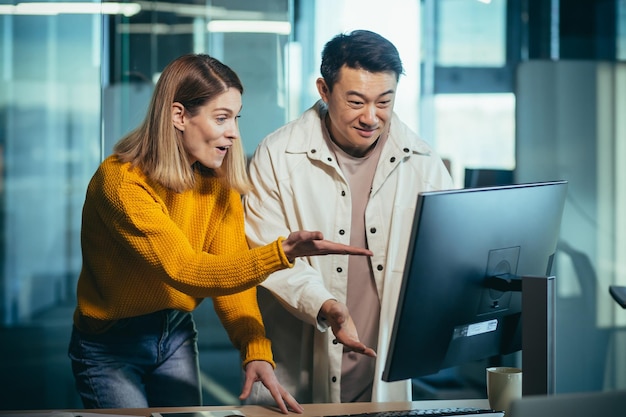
[138, 259]
[240, 316]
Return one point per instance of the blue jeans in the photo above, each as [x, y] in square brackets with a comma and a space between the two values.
[145, 361]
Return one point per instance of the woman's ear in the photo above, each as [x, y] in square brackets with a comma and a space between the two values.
[178, 116]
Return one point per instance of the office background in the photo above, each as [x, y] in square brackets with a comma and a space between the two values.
[532, 87]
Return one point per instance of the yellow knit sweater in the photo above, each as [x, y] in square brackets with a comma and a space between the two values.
[146, 248]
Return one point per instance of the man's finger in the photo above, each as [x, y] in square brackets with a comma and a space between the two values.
[358, 347]
[369, 352]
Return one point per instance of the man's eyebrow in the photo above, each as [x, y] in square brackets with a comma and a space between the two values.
[356, 93]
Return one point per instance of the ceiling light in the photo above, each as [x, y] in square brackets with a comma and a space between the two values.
[250, 26]
[126, 9]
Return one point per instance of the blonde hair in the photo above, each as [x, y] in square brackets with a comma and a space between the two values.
[156, 145]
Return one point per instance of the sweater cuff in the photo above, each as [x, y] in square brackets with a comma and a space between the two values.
[281, 252]
[272, 256]
[257, 350]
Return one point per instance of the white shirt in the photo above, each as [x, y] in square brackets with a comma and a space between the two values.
[298, 185]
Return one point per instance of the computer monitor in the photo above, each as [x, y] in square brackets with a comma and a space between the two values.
[487, 177]
[460, 298]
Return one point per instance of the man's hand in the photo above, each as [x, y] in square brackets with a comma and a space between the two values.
[305, 243]
[263, 371]
[338, 317]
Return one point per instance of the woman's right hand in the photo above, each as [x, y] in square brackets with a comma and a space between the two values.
[305, 243]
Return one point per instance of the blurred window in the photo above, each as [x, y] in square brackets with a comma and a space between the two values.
[471, 33]
[468, 108]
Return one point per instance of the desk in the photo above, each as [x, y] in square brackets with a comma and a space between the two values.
[310, 410]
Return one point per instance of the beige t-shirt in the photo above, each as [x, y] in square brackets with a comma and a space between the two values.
[357, 370]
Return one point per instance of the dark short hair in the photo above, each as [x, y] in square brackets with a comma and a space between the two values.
[359, 49]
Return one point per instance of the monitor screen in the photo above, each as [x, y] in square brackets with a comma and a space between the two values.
[464, 244]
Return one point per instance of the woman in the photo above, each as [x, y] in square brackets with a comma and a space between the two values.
[162, 229]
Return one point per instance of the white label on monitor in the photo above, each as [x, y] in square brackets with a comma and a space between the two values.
[476, 328]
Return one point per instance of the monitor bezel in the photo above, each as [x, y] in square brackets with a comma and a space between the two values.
[396, 371]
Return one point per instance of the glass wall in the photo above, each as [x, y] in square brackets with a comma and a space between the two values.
[50, 142]
[74, 77]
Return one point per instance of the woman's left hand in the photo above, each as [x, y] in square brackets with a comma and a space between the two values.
[263, 371]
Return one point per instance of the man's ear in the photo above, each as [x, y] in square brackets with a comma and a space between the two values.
[322, 89]
[178, 116]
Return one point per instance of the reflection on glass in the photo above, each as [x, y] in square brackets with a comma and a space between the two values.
[621, 31]
[470, 33]
[475, 131]
[250, 37]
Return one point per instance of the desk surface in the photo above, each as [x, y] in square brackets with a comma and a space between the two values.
[310, 410]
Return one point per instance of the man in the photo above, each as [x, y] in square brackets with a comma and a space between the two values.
[351, 169]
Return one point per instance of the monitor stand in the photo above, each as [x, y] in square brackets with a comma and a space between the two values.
[538, 335]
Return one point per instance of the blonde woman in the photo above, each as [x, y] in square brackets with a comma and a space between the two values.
[163, 229]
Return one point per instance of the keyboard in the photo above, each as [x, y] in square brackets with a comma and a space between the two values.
[432, 412]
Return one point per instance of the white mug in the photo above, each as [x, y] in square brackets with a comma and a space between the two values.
[504, 384]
